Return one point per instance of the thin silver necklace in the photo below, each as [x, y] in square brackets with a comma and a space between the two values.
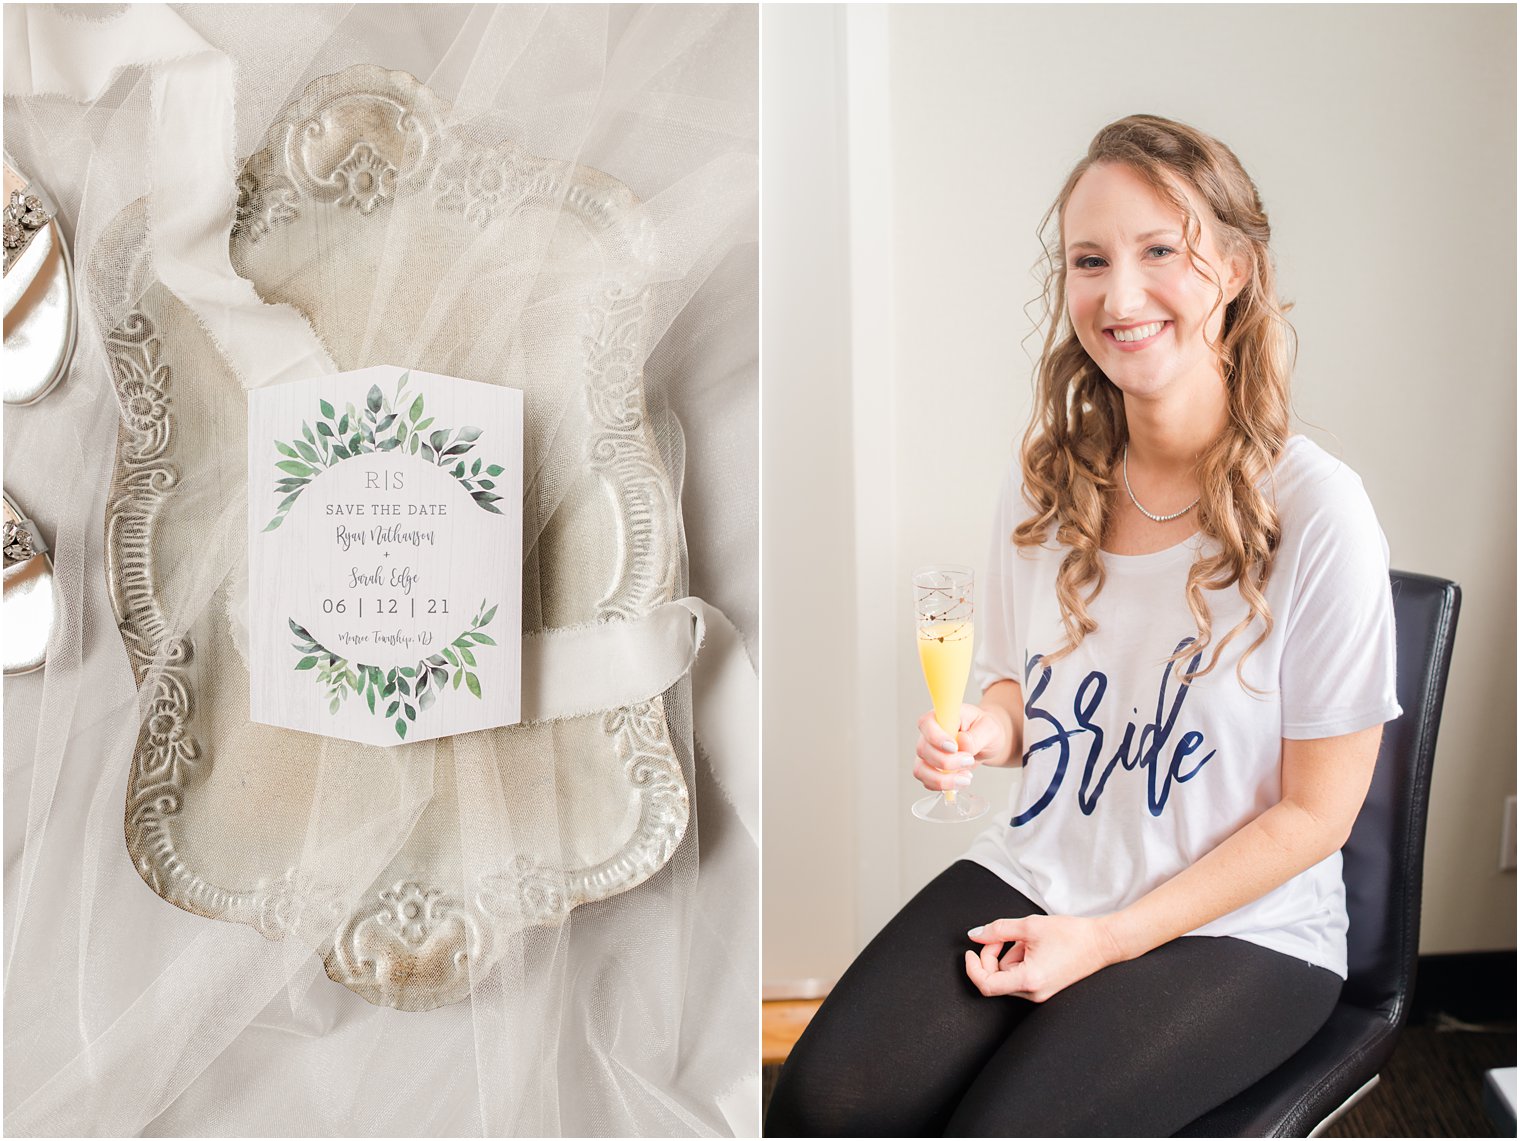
[1141, 509]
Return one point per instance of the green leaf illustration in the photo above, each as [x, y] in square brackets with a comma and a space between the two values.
[473, 682]
[375, 399]
[306, 663]
[286, 450]
[327, 409]
[401, 728]
[415, 412]
[294, 467]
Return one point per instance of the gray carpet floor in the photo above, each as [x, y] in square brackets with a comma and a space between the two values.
[1431, 1087]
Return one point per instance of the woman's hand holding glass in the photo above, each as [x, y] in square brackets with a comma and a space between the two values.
[942, 763]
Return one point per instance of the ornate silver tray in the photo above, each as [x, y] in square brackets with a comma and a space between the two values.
[410, 867]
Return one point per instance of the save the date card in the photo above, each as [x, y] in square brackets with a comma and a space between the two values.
[385, 555]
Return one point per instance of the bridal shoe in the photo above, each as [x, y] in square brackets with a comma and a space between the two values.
[28, 593]
[40, 310]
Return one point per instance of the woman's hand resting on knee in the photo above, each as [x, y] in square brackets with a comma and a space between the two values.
[1047, 954]
[944, 762]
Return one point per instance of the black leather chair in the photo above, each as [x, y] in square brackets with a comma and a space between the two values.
[1384, 861]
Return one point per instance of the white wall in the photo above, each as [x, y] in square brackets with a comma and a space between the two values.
[1385, 154]
[807, 563]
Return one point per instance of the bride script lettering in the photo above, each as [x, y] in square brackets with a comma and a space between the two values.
[1132, 753]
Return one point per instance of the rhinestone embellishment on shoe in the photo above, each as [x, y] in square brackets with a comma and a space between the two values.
[18, 544]
[24, 216]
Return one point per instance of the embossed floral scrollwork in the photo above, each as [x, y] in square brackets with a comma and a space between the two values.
[142, 405]
[483, 185]
[367, 179]
[414, 910]
[141, 389]
[262, 205]
[353, 147]
[166, 749]
[529, 891]
[298, 901]
[641, 723]
[412, 948]
[613, 336]
[154, 801]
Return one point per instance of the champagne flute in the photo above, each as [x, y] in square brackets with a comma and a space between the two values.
[942, 606]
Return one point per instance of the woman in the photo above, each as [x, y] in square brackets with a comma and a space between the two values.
[1187, 643]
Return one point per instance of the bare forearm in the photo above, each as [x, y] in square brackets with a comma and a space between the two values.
[1283, 841]
[1324, 782]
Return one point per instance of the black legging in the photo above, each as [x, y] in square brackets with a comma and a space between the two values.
[905, 1046]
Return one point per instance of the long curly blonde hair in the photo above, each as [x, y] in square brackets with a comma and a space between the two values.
[1072, 449]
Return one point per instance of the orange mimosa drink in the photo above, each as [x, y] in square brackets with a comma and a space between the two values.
[944, 650]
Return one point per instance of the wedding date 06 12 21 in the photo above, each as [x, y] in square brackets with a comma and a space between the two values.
[409, 607]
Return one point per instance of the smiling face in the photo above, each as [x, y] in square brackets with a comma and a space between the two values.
[1142, 308]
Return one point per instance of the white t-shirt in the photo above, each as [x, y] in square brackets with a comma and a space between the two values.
[1129, 777]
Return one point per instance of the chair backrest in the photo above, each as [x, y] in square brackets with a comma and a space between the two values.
[1384, 858]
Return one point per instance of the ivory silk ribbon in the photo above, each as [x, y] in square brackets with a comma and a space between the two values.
[573, 671]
